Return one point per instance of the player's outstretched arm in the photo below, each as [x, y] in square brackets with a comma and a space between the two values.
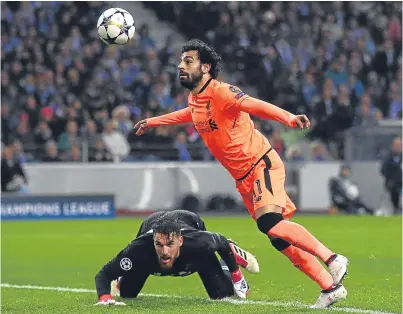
[110, 271]
[122, 264]
[176, 117]
[268, 111]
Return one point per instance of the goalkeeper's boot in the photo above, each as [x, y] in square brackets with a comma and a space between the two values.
[338, 267]
[115, 287]
[329, 297]
[244, 258]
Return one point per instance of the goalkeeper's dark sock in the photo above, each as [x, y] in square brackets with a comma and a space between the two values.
[310, 266]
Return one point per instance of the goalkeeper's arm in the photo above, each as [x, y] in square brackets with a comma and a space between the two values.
[122, 265]
[233, 255]
[111, 271]
[222, 246]
[233, 261]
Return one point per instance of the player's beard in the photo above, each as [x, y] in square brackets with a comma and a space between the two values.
[167, 265]
[190, 81]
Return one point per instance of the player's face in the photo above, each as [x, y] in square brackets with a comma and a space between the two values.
[167, 247]
[190, 70]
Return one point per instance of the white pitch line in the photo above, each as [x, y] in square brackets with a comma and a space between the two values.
[232, 301]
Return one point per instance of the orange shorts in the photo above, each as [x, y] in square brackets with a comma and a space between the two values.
[265, 185]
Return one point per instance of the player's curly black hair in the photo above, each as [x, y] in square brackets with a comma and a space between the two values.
[167, 226]
[207, 55]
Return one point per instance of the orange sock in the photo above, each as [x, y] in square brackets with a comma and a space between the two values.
[309, 265]
[298, 236]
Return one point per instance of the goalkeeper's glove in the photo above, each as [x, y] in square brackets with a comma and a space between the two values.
[241, 287]
[107, 299]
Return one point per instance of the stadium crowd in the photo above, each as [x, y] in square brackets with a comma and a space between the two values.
[67, 97]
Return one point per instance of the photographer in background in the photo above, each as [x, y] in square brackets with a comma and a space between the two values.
[115, 142]
[392, 172]
[13, 178]
[345, 195]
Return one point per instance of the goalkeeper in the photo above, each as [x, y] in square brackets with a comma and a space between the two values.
[176, 243]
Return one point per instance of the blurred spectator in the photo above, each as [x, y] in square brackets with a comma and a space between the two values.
[356, 87]
[51, 152]
[70, 137]
[100, 154]
[91, 134]
[340, 120]
[337, 74]
[162, 95]
[318, 152]
[322, 110]
[345, 194]
[386, 59]
[395, 29]
[278, 143]
[115, 142]
[392, 172]
[366, 113]
[74, 155]
[13, 178]
[395, 108]
[75, 113]
[101, 119]
[24, 134]
[121, 115]
[32, 110]
[43, 133]
[309, 88]
[56, 123]
[19, 153]
[164, 145]
[181, 144]
[295, 155]
[5, 124]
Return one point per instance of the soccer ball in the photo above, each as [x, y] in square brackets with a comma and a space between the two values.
[115, 26]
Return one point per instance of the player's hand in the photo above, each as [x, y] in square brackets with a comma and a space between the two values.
[241, 287]
[107, 299]
[141, 126]
[301, 121]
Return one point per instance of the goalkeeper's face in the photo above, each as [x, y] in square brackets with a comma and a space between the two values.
[167, 247]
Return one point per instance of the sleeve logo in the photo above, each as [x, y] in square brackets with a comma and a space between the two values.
[234, 89]
[238, 92]
[126, 263]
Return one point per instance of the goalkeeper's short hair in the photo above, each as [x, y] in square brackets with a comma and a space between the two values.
[167, 227]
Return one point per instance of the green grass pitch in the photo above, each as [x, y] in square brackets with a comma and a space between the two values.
[70, 253]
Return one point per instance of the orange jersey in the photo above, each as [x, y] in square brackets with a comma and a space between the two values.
[228, 132]
[220, 113]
